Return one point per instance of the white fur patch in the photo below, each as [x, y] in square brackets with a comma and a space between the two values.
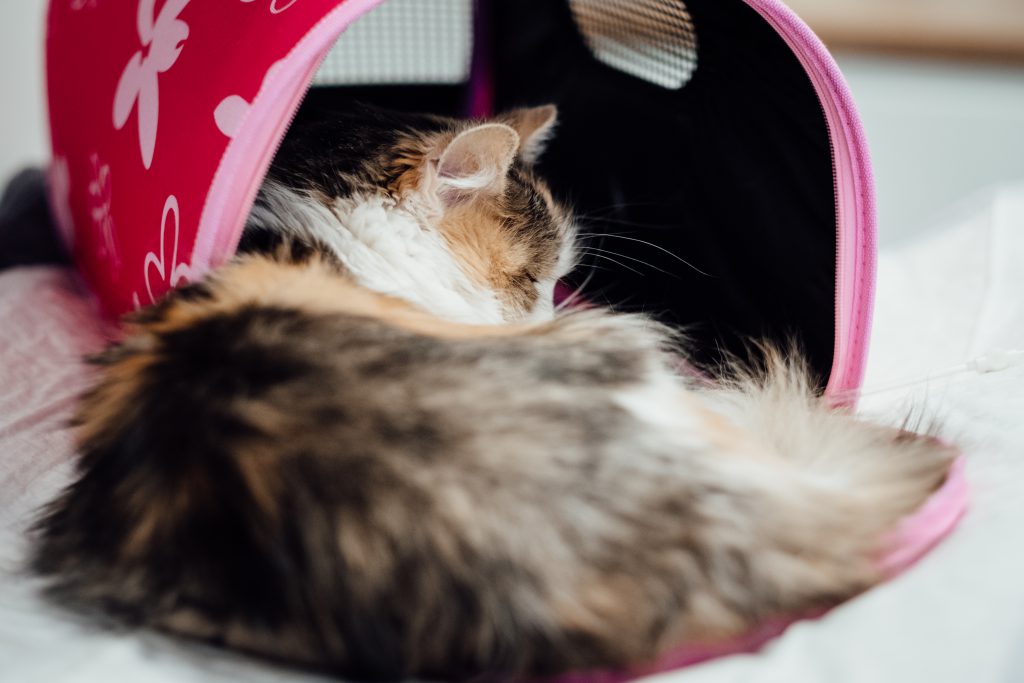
[663, 405]
[385, 248]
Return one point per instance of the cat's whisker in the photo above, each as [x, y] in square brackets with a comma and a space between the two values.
[630, 258]
[593, 267]
[618, 263]
[650, 244]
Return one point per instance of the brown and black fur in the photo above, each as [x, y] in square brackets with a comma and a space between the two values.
[366, 151]
[282, 461]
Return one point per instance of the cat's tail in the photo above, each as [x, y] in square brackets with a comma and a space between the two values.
[890, 469]
[816, 494]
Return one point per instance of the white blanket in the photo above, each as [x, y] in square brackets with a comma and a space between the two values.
[957, 616]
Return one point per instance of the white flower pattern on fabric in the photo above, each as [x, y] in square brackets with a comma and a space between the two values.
[278, 6]
[161, 40]
[100, 200]
[234, 108]
[170, 272]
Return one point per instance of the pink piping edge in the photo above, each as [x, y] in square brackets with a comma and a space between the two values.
[933, 521]
[249, 154]
[856, 221]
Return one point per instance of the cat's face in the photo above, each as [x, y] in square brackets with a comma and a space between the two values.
[497, 216]
[445, 213]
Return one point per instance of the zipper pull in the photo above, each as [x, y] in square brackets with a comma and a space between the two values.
[996, 360]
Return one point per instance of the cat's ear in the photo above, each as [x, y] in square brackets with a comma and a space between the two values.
[477, 160]
[535, 126]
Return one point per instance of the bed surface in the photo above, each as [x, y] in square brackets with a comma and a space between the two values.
[956, 616]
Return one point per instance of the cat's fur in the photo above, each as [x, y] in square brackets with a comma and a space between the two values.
[371, 445]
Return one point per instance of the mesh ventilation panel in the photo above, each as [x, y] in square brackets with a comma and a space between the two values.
[404, 41]
[654, 40]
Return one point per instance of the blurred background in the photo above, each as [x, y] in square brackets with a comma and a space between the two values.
[940, 86]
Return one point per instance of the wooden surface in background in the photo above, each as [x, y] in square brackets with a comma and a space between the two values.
[987, 28]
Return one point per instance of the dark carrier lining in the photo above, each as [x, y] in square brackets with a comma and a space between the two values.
[732, 173]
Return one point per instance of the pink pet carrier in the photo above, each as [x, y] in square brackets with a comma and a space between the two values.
[712, 145]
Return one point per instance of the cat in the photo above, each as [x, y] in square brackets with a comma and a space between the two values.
[371, 444]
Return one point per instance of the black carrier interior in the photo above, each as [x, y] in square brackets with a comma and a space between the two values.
[716, 199]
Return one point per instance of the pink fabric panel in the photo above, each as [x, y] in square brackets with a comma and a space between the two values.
[161, 138]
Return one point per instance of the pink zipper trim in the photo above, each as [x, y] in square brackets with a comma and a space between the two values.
[932, 522]
[247, 158]
[856, 223]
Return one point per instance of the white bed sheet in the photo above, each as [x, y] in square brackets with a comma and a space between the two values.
[957, 616]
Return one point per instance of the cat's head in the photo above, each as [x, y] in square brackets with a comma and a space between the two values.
[446, 213]
[476, 184]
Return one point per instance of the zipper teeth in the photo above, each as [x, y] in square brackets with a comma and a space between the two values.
[839, 341]
[840, 155]
[829, 111]
[838, 256]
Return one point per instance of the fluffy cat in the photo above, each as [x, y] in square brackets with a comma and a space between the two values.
[371, 445]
